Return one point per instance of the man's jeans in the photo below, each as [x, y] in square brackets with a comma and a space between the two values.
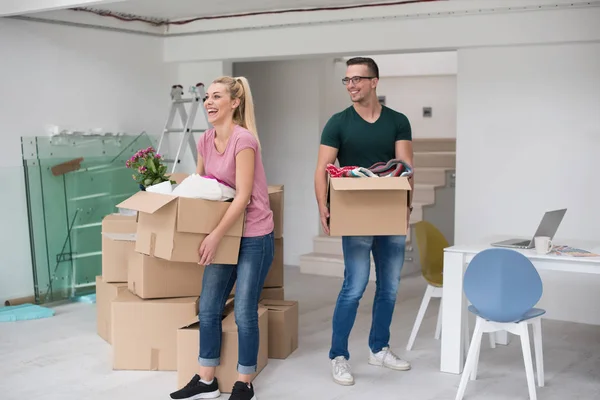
[388, 253]
[254, 262]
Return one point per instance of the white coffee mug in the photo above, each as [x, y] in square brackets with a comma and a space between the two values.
[543, 244]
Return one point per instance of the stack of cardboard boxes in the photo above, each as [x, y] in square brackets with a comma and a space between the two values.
[273, 287]
[147, 296]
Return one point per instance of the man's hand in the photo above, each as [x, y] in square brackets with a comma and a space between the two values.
[208, 249]
[324, 213]
[327, 155]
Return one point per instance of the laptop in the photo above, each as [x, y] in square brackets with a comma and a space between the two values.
[548, 227]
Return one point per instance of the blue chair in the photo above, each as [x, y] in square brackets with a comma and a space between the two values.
[503, 286]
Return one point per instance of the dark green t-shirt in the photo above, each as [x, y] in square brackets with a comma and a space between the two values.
[361, 143]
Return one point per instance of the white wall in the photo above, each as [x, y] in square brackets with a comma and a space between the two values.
[410, 94]
[528, 141]
[416, 64]
[291, 111]
[71, 77]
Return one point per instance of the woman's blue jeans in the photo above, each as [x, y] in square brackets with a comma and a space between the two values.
[254, 262]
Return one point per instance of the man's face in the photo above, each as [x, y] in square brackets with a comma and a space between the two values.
[359, 87]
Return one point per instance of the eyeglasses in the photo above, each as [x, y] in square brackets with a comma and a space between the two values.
[356, 79]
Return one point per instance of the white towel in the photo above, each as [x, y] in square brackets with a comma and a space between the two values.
[199, 187]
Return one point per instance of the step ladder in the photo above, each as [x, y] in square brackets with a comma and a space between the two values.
[187, 121]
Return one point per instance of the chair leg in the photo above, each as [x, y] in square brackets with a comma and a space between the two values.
[492, 340]
[466, 336]
[438, 327]
[476, 362]
[539, 354]
[470, 363]
[528, 361]
[420, 315]
[492, 337]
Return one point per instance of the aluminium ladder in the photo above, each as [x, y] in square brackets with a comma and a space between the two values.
[187, 121]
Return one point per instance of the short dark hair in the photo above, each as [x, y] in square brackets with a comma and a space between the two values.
[369, 62]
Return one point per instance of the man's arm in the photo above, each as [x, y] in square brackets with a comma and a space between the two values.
[328, 152]
[327, 155]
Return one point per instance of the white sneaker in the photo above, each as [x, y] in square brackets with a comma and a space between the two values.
[340, 369]
[385, 358]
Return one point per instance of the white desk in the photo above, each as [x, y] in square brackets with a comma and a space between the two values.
[456, 259]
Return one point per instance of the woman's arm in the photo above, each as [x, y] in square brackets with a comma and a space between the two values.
[244, 181]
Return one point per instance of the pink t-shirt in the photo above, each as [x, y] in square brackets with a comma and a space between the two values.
[259, 217]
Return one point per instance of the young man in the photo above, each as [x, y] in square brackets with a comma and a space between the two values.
[361, 135]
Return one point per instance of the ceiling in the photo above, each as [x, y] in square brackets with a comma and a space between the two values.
[178, 9]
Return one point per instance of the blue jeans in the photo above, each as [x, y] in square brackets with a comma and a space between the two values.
[388, 253]
[254, 262]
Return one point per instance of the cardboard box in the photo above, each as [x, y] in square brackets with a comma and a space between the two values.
[117, 248]
[272, 294]
[368, 206]
[105, 294]
[275, 275]
[144, 332]
[172, 228]
[276, 201]
[283, 327]
[153, 278]
[117, 223]
[188, 348]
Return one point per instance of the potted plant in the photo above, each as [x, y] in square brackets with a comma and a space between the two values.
[149, 170]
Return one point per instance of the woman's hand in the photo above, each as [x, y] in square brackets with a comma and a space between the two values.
[208, 248]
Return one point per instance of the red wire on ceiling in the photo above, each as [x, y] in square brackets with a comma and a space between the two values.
[157, 22]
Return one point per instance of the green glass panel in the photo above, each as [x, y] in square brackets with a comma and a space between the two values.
[66, 211]
[15, 261]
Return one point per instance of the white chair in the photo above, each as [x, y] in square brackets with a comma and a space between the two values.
[503, 286]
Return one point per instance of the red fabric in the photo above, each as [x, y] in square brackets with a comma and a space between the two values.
[336, 172]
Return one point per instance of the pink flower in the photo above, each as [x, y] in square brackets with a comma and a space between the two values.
[127, 164]
[157, 156]
[142, 169]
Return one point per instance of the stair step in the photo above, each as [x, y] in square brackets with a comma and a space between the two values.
[431, 176]
[424, 193]
[332, 245]
[417, 213]
[333, 265]
[323, 244]
[434, 144]
[440, 159]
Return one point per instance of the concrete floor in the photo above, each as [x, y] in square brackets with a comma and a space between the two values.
[63, 358]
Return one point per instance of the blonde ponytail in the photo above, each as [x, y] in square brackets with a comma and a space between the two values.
[248, 117]
[239, 88]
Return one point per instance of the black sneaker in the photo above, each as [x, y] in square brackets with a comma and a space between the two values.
[195, 390]
[241, 391]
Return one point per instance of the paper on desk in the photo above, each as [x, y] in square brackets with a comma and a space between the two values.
[572, 251]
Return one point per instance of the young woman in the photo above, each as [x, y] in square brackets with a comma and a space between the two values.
[230, 152]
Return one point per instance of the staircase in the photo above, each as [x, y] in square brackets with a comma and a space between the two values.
[433, 201]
